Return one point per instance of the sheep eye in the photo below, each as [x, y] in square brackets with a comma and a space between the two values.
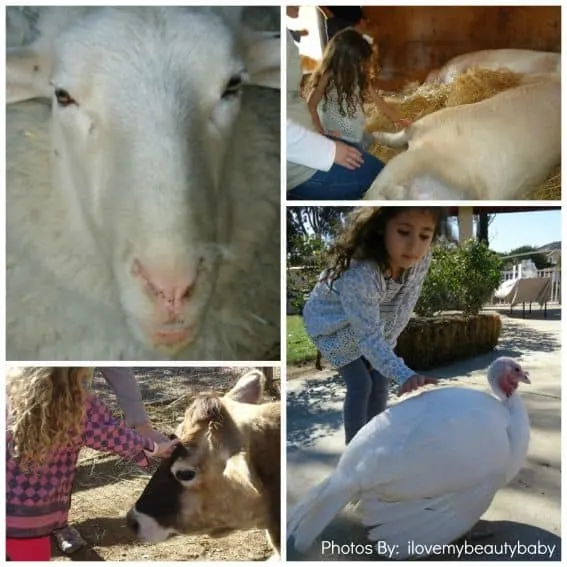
[185, 475]
[64, 98]
[233, 87]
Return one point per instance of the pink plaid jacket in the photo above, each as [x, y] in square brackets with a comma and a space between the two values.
[38, 501]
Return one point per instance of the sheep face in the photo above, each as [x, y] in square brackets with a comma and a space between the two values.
[144, 109]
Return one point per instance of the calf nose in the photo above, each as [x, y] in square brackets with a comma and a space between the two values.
[132, 522]
[169, 289]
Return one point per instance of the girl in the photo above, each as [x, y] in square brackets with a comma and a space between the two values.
[129, 398]
[364, 300]
[340, 87]
[51, 416]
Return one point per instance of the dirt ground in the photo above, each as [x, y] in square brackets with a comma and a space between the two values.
[106, 486]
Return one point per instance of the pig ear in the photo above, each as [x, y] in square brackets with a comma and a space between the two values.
[263, 58]
[27, 73]
[249, 388]
[237, 470]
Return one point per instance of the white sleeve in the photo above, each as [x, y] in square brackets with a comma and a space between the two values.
[308, 148]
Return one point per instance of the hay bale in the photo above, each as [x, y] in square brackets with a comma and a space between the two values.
[474, 85]
[430, 342]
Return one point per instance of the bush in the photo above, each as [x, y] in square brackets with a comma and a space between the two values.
[478, 274]
[462, 278]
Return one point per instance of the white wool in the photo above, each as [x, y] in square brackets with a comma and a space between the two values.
[180, 173]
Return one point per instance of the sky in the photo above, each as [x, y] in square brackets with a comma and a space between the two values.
[512, 230]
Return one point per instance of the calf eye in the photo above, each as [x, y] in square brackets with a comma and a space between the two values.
[233, 87]
[64, 98]
[185, 475]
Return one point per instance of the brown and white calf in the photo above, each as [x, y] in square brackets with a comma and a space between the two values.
[224, 475]
[498, 148]
[524, 61]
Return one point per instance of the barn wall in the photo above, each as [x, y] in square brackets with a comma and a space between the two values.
[415, 39]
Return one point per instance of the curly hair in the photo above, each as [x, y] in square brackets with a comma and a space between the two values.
[46, 408]
[362, 238]
[347, 63]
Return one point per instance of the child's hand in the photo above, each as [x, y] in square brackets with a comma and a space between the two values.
[402, 123]
[163, 449]
[146, 430]
[414, 382]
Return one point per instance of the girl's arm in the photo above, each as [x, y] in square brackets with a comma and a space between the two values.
[313, 100]
[105, 433]
[361, 298]
[389, 111]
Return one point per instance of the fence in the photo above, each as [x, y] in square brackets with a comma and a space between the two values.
[553, 273]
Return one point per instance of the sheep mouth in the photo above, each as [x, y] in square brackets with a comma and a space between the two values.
[173, 337]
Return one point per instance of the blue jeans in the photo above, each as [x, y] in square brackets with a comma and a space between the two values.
[366, 395]
[339, 182]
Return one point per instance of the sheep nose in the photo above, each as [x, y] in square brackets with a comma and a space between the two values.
[132, 522]
[169, 289]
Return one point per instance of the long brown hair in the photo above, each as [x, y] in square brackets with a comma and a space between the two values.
[46, 409]
[347, 64]
[362, 238]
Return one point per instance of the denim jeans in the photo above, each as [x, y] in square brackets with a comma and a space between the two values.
[339, 182]
[366, 395]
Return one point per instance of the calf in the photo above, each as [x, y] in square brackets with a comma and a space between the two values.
[225, 473]
[517, 60]
[498, 148]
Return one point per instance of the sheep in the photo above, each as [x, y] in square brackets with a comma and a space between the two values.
[498, 148]
[143, 197]
[517, 60]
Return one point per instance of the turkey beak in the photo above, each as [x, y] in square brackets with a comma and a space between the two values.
[525, 378]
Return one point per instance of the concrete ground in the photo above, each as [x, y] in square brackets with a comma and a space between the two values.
[525, 516]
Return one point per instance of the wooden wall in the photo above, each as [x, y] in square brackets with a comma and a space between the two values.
[415, 39]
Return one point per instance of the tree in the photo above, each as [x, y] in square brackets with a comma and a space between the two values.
[483, 221]
[524, 253]
[310, 229]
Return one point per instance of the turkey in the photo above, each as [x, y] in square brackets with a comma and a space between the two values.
[426, 469]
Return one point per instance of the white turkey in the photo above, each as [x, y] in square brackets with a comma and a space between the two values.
[426, 469]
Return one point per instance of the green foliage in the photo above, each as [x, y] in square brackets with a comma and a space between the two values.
[439, 290]
[461, 278]
[539, 259]
[305, 223]
[478, 275]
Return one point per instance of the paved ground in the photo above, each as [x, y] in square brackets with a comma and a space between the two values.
[525, 513]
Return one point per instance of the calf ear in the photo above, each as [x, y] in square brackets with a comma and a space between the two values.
[263, 58]
[237, 470]
[249, 388]
[27, 74]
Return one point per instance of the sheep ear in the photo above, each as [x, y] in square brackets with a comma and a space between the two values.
[27, 74]
[263, 58]
[249, 388]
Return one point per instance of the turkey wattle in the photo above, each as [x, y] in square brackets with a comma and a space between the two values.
[426, 469]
